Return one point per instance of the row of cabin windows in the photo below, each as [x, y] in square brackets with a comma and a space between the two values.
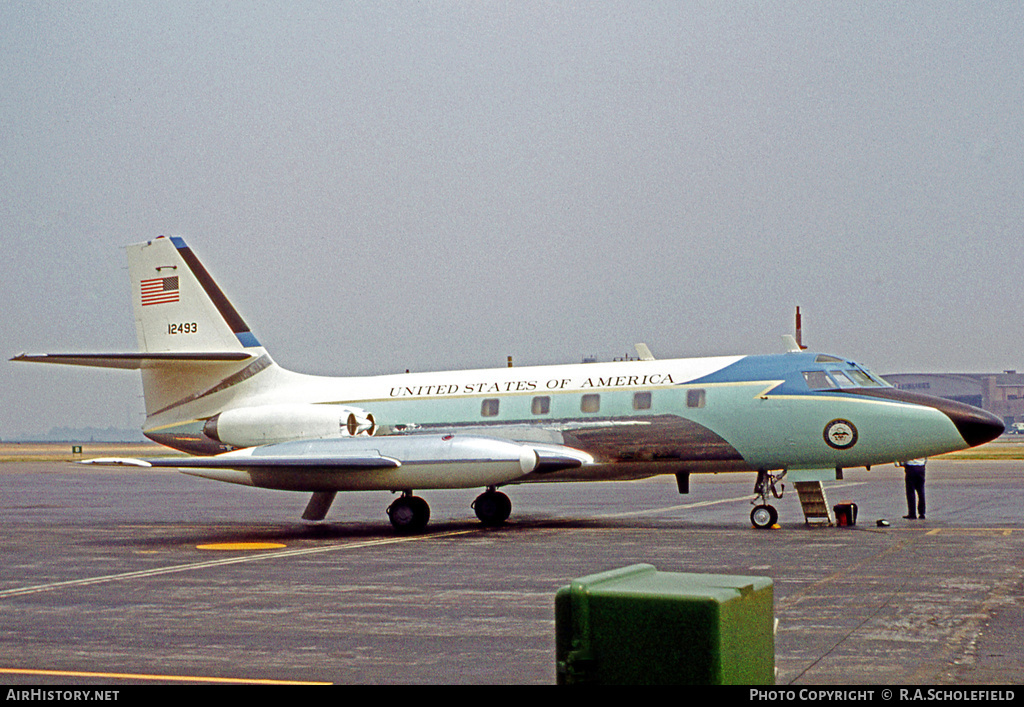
[591, 402]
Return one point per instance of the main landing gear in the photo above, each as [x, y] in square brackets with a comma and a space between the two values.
[765, 515]
[492, 507]
[410, 514]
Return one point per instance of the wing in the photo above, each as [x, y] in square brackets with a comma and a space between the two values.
[396, 462]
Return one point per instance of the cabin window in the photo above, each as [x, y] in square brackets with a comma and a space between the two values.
[642, 401]
[541, 405]
[695, 398]
[590, 402]
[489, 407]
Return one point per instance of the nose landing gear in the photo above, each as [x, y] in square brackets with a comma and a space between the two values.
[764, 515]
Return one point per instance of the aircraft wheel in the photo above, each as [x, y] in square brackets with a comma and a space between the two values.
[764, 516]
[492, 508]
[409, 514]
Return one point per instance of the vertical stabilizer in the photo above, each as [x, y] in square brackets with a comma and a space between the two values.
[181, 313]
[197, 355]
[177, 305]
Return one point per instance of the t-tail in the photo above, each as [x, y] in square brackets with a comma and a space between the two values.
[196, 353]
[178, 306]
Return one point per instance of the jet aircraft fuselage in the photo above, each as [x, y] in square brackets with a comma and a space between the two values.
[741, 413]
[212, 390]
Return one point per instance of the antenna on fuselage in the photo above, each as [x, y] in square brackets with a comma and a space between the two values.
[794, 344]
[799, 331]
[643, 352]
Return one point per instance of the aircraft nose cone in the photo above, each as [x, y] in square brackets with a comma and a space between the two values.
[975, 426]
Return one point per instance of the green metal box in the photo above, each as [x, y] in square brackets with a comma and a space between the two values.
[638, 626]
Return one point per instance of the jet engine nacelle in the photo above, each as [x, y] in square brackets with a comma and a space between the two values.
[270, 424]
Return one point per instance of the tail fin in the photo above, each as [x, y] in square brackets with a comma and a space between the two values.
[181, 312]
[197, 355]
[178, 306]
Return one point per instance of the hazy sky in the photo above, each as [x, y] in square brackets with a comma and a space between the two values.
[429, 185]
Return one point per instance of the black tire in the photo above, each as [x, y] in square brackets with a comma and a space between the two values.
[409, 514]
[492, 508]
[763, 516]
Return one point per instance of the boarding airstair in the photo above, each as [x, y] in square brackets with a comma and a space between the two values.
[814, 503]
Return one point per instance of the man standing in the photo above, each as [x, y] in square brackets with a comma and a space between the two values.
[914, 475]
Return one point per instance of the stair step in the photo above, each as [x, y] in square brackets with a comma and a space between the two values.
[813, 502]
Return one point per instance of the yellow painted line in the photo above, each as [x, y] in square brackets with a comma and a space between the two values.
[192, 566]
[240, 546]
[144, 676]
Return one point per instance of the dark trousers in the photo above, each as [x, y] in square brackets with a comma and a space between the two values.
[915, 488]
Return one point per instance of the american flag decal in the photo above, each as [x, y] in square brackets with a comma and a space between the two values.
[160, 290]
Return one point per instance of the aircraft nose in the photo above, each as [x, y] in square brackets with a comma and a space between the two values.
[976, 426]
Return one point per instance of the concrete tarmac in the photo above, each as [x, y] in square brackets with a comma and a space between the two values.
[118, 576]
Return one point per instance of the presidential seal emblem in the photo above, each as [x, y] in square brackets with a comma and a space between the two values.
[840, 434]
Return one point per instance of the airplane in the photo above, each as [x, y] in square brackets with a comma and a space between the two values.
[213, 391]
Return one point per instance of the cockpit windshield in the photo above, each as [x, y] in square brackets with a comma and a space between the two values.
[836, 374]
[863, 379]
[819, 380]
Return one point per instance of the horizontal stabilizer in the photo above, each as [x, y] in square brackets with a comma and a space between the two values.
[134, 361]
